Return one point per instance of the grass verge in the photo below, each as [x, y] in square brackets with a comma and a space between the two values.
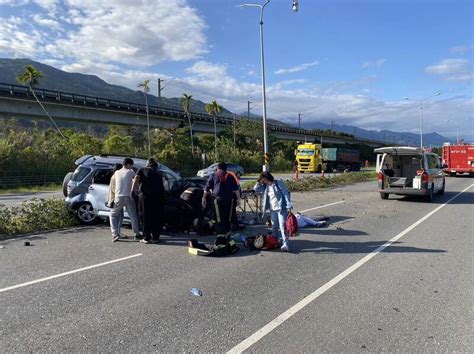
[35, 215]
[307, 184]
[53, 187]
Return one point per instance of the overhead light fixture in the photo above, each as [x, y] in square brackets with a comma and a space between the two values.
[295, 6]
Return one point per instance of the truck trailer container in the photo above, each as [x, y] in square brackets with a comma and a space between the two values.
[340, 159]
[458, 159]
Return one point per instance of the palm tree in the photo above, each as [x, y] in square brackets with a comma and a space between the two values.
[186, 100]
[146, 89]
[214, 108]
[31, 78]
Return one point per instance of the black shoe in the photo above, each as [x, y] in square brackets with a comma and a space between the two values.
[137, 237]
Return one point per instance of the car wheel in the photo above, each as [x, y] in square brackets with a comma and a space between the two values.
[384, 195]
[441, 191]
[66, 180]
[86, 214]
[429, 197]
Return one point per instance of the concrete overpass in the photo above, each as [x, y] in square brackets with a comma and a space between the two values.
[17, 102]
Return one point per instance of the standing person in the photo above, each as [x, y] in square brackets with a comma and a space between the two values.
[151, 198]
[276, 199]
[123, 198]
[223, 188]
[235, 203]
[111, 196]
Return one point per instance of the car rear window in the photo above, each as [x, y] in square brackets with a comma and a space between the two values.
[80, 174]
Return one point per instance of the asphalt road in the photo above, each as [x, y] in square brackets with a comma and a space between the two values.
[414, 295]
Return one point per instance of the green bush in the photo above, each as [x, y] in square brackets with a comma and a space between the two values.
[35, 215]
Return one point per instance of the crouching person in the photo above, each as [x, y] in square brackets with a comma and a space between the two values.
[276, 199]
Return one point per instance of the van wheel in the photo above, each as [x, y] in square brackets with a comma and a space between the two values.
[85, 213]
[66, 180]
[384, 195]
[429, 197]
[441, 191]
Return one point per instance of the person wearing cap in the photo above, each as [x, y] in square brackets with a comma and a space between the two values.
[276, 199]
[224, 191]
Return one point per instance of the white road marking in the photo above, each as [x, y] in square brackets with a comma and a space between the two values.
[322, 206]
[269, 327]
[68, 273]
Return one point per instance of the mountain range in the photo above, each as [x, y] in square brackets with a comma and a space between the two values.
[91, 85]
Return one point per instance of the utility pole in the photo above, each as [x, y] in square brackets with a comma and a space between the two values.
[159, 90]
[248, 109]
[299, 120]
[234, 130]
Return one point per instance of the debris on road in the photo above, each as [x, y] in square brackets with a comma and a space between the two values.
[27, 243]
[1, 247]
[196, 292]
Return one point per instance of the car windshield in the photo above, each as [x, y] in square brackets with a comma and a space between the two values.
[80, 174]
[170, 172]
[306, 152]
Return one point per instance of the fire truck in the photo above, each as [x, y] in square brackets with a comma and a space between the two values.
[458, 159]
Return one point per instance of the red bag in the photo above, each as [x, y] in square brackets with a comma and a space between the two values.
[271, 242]
[291, 224]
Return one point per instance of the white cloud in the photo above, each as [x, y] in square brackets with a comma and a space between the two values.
[15, 41]
[297, 68]
[47, 22]
[374, 64]
[140, 40]
[206, 69]
[138, 33]
[460, 49]
[452, 69]
[47, 4]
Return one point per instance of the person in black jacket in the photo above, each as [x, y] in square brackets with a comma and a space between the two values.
[151, 199]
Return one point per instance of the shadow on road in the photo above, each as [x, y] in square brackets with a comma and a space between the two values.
[305, 246]
[467, 198]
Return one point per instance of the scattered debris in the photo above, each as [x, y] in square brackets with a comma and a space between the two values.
[27, 243]
[2, 247]
[339, 228]
[196, 292]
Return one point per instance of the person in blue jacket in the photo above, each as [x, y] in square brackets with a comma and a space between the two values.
[276, 199]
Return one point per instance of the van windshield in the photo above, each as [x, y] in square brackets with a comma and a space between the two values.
[80, 173]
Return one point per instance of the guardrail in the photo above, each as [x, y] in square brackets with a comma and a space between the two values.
[100, 102]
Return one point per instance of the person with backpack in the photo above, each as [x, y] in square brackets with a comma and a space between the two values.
[224, 192]
[276, 199]
[151, 193]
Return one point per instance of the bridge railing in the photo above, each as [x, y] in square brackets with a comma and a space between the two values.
[72, 98]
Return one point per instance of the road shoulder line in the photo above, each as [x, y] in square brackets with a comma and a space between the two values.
[67, 273]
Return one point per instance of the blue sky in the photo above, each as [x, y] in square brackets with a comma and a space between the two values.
[368, 63]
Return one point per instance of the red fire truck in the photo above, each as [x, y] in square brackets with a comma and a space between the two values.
[458, 159]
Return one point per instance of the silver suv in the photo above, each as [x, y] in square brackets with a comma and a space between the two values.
[86, 188]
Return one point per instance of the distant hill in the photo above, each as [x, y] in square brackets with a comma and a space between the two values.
[390, 137]
[90, 85]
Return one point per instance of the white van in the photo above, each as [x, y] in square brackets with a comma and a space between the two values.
[406, 170]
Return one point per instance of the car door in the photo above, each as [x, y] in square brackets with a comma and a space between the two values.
[99, 189]
[434, 171]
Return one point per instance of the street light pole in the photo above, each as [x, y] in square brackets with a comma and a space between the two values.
[266, 166]
[422, 101]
